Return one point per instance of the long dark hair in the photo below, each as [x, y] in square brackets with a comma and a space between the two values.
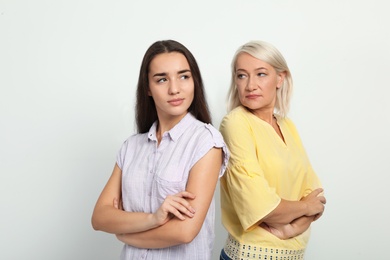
[146, 113]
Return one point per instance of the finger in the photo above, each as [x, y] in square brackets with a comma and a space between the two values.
[116, 203]
[182, 202]
[316, 192]
[312, 194]
[173, 211]
[317, 216]
[322, 199]
[182, 209]
[265, 226]
[185, 194]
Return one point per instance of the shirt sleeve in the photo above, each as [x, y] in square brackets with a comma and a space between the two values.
[120, 157]
[251, 195]
[206, 141]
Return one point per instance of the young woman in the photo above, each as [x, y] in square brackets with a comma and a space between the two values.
[270, 194]
[166, 174]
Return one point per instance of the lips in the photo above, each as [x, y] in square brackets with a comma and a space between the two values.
[252, 96]
[176, 101]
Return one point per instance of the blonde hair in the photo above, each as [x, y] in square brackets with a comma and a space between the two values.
[268, 53]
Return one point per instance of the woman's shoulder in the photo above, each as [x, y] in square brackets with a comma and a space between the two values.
[236, 113]
[135, 138]
[128, 148]
[236, 118]
[214, 133]
[202, 135]
[205, 130]
[205, 137]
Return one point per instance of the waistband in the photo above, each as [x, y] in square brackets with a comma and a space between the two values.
[238, 251]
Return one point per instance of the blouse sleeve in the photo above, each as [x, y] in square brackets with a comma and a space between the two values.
[211, 138]
[250, 193]
[121, 155]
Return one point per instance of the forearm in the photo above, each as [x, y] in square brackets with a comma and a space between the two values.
[300, 225]
[174, 232]
[106, 217]
[286, 212]
[111, 220]
[293, 229]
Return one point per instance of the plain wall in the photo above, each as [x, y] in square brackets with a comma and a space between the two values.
[68, 72]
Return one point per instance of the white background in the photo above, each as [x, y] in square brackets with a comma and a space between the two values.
[68, 72]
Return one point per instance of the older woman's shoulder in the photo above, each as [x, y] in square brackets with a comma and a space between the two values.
[236, 114]
[236, 120]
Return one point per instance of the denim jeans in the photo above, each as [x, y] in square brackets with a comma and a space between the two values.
[223, 256]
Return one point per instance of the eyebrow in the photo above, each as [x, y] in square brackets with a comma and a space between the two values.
[183, 71]
[160, 74]
[261, 68]
[163, 74]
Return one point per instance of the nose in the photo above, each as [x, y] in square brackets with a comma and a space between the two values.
[251, 84]
[173, 88]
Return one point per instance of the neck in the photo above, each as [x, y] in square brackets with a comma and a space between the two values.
[267, 115]
[167, 123]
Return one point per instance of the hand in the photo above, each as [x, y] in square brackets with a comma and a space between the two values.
[317, 216]
[175, 206]
[293, 229]
[280, 231]
[315, 203]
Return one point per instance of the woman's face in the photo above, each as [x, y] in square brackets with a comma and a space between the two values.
[171, 85]
[256, 82]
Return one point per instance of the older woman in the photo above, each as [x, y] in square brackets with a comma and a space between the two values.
[270, 194]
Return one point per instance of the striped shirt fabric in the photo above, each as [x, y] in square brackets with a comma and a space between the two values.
[150, 172]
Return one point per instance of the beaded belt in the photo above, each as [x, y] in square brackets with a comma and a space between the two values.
[237, 251]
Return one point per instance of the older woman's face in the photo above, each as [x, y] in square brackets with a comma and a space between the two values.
[257, 82]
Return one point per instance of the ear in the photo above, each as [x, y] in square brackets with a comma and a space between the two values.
[281, 77]
[149, 93]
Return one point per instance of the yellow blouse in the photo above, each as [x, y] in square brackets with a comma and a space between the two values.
[262, 170]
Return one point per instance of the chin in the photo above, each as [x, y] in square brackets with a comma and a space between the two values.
[178, 113]
[252, 107]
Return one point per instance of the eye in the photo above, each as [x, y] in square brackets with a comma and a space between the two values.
[261, 74]
[161, 80]
[184, 76]
[241, 76]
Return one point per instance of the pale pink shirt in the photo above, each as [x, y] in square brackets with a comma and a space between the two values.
[151, 172]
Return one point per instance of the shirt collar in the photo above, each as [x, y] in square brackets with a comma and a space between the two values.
[176, 131]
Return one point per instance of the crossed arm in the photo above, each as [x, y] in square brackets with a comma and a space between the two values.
[292, 218]
[177, 221]
[289, 218]
[110, 219]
